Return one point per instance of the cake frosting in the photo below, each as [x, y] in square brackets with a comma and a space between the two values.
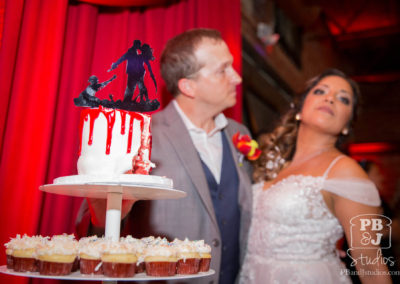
[161, 252]
[60, 248]
[137, 179]
[202, 248]
[186, 249]
[114, 142]
[91, 247]
[24, 246]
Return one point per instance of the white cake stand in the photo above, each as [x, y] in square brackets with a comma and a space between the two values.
[114, 193]
[77, 276]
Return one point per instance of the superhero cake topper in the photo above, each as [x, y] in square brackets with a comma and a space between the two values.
[136, 57]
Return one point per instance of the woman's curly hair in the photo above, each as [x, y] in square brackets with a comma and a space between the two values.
[278, 146]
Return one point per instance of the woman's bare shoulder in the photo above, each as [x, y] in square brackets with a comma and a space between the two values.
[346, 167]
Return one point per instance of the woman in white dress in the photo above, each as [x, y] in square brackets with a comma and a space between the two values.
[308, 193]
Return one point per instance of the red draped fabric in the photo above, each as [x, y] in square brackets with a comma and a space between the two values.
[48, 51]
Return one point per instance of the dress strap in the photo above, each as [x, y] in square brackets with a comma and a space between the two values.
[332, 164]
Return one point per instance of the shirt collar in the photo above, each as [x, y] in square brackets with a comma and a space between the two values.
[220, 121]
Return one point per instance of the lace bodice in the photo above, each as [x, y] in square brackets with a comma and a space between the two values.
[294, 222]
[293, 234]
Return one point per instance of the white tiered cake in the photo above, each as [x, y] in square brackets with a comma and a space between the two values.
[111, 139]
[115, 148]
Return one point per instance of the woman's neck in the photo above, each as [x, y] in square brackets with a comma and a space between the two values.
[310, 142]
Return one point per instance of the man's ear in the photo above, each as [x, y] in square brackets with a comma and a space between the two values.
[187, 87]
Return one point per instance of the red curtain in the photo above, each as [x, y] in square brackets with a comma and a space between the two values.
[48, 51]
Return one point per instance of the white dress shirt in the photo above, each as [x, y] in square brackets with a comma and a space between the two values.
[208, 145]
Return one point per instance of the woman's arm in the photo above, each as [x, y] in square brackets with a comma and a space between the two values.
[363, 228]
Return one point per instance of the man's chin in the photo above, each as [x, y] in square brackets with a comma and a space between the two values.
[233, 101]
[229, 102]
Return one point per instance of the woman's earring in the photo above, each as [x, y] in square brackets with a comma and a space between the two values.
[345, 131]
[298, 116]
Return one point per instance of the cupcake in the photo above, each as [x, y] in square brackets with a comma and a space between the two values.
[9, 249]
[57, 256]
[138, 246]
[9, 258]
[147, 242]
[205, 255]
[21, 253]
[75, 264]
[188, 257]
[160, 259]
[119, 260]
[90, 250]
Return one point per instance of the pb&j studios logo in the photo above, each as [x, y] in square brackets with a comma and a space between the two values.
[370, 231]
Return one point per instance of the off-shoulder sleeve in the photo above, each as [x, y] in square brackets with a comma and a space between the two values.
[359, 190]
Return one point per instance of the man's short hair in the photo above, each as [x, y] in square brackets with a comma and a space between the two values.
[178, 59]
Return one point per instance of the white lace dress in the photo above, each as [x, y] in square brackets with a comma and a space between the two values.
[293, 234]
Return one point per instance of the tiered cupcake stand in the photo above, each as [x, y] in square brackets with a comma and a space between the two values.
[114, 193]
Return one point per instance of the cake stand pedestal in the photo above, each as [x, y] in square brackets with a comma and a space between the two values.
[113, 215]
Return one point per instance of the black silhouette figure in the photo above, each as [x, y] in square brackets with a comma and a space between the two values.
[136, 57]
[88, 96]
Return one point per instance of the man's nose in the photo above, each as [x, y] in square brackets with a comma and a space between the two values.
[236, 77]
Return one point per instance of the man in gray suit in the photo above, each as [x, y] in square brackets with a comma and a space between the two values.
[192, 145]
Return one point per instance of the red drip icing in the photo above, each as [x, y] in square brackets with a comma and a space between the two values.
[110, 116]
[128, 150]
[93, 113]
[133, 116]
[123, 119]
[93, 116]
[150, 142]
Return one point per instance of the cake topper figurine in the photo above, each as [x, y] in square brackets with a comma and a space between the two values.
[136, 57]
[88, 96]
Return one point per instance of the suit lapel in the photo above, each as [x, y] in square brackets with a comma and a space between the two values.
[187, 153]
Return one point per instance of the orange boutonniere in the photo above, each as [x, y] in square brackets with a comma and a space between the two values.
[246, 146]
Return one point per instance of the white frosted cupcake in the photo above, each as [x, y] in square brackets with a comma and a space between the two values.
[160, 260]
[21, 252]
[119, 260]
[138, 246]
[188, 257]
[205, 255]
[90, 250]
[57, 256]
[9, 255]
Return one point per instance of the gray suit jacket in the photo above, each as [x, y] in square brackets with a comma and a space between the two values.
[193, 216]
